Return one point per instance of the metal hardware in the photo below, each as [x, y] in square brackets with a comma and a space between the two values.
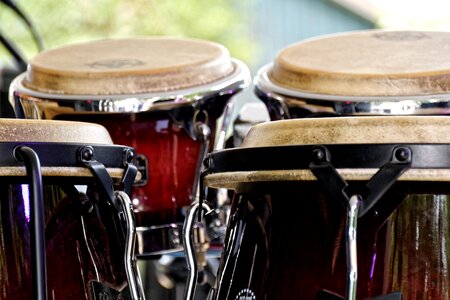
[130, 171]
[227, 119]
[157, 240]
[178, 104]
[385, 177]
[189, 248]
[86, 156]
[377, 186]
[122, 204]
[352, 256]
[142, 167]
[285, 103]
[133, 276]
[203, 132]
[208, 163]
[325, 172]
[37, 234]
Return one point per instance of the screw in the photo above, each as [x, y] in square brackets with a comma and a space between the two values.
[208, 161]
[129, 155]
[87, 153]
[402, 154]
[318, 155]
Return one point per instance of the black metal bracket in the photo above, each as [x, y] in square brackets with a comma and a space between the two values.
[324, 171]
[86, 156]
[130, 171]
[208, 164]
[377, 186]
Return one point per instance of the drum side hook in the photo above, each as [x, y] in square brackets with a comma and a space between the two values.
[37, 233]
[189, 248]
[377, 186]
[122, 205]
[133, 275]
[130, 171]
[387, 175]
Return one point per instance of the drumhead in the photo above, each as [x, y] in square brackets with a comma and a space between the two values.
[279, 135]
[15, 132]
[46, 131]
[128, 66]
[350, 130]
[368, 63]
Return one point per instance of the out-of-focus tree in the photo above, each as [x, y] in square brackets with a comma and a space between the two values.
[67, 21]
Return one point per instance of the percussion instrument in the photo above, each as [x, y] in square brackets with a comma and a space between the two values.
[359, 73]
[162, 96]
[334, 208]
[67, 229]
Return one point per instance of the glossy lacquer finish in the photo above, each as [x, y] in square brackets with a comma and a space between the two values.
[287, 241]
[172, 160]
[84, 244]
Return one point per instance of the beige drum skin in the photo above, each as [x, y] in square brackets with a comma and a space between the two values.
[362, 72]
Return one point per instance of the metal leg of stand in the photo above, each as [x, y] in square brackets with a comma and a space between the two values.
[352, 259]
[133, 275]
[189, 249]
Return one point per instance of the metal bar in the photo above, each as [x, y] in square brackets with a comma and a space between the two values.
[133, 276]
[352, 257]
[37, 233]
[189, 250]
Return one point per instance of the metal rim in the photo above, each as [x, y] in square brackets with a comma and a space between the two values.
[299, 157]
[236, 81]
[348, 105]
[65, 154]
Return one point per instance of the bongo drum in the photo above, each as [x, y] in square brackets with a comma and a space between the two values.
[162, 96]
[334, 208]
[65, 233]
[359, 73]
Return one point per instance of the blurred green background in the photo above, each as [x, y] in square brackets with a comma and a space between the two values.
[67, 21]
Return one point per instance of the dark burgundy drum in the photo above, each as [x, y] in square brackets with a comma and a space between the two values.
[162, 96]
[337, 208]
[81, 246]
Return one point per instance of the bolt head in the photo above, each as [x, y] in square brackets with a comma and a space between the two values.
[318, 155]
[402, 154]
[88, 153]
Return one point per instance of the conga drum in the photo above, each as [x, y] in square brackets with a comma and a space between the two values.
[359, 73]
[66, 226]
[337, 208]
[162, 96]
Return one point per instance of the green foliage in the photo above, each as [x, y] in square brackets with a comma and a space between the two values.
[67, 21]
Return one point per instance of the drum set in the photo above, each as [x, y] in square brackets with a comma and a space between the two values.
[343, 195]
